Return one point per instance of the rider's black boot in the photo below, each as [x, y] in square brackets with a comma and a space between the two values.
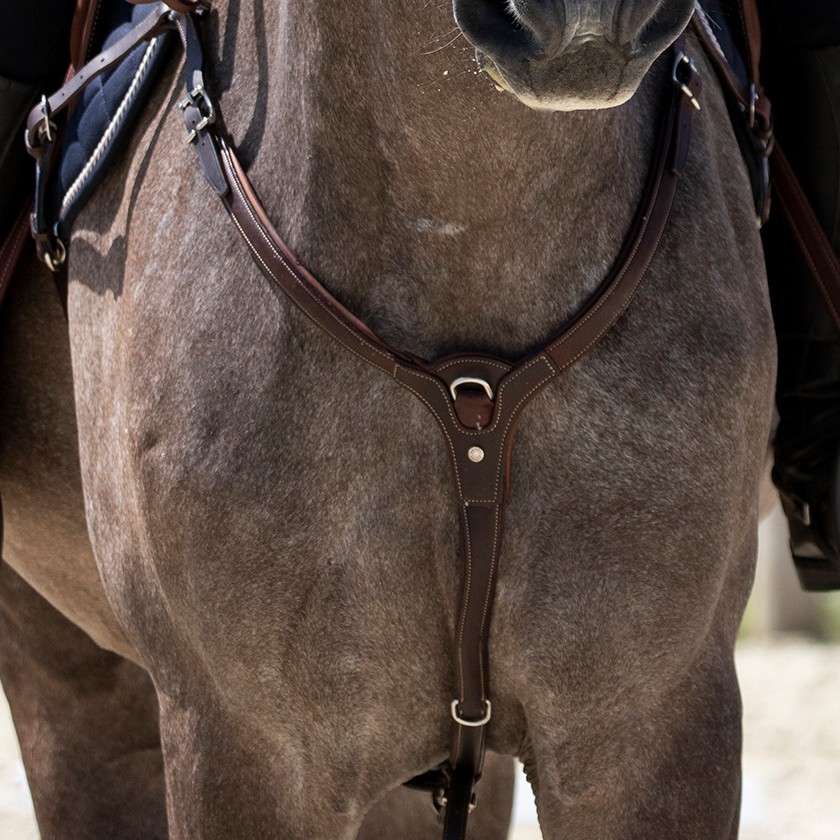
[804, 84]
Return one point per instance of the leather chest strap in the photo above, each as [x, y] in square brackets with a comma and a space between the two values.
[481, 458]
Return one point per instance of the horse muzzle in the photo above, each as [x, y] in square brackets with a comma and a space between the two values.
[570, 54]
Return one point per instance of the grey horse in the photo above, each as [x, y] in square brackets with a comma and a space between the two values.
[230, 580]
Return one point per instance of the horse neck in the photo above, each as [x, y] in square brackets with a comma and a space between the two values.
[437, 208]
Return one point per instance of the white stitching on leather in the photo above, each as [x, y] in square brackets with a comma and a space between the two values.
[490, 586]
[271, 274]
[324, 304]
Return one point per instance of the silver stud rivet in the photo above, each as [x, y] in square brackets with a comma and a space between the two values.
[476, 454]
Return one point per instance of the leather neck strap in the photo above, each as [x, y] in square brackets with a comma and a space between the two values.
[476, 399]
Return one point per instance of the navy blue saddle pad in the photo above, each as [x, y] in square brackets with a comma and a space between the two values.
[102, 120]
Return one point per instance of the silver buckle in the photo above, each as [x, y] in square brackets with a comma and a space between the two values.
[456, 715]
[49, 126]
[680, 62]
[199, 98]
[470, 380]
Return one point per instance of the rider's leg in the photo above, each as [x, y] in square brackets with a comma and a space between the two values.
[34, 52]
[802, 63]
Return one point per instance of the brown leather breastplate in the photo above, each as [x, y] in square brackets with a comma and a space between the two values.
[475, 399]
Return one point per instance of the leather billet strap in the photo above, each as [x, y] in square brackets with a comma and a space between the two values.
[87, 15]
[750, 96]
[82, 30]
[476, 399]
[752, 37]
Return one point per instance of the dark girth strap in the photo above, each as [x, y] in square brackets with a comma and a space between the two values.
[749, 106]
[476, 399]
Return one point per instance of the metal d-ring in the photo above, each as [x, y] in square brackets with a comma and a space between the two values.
[56, 256]
[456, 715]
[470, 380]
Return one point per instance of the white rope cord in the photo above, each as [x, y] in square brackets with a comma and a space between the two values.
[108, 136]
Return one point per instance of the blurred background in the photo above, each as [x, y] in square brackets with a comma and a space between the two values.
[789, 665]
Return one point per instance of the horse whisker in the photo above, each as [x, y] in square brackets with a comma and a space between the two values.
[444, 46]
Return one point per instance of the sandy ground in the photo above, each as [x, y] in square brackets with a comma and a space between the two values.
[791, 694]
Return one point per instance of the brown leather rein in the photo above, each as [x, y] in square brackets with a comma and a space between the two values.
[476, 399]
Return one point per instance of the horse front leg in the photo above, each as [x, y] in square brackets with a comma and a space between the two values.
[231, 776]
[669, 767]
[87, 724]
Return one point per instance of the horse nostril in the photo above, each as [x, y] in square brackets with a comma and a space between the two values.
[494, 27]
[506, 9]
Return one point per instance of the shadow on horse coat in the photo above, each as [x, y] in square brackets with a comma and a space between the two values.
[267, 528]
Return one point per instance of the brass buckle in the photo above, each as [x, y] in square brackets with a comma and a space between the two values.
[55, 256]
[50, 248]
